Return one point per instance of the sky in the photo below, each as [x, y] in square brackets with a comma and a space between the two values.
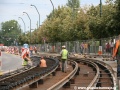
[12, 9]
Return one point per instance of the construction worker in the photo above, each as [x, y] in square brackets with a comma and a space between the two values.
[26, 59]
[116, 55]
[64, 57]
[43, 62]
[35, 49]
[31, 51]
[116, 51]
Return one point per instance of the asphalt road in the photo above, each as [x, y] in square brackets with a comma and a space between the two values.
[10, 62]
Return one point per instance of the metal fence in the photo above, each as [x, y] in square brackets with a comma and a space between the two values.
[80, 46]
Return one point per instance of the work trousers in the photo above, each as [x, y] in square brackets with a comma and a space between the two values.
[64, 65]
[118, 59]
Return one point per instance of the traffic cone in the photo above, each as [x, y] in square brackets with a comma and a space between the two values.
[100, 50]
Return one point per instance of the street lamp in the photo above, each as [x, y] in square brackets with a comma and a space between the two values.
[52, 5]
[23, 22]
[30, 25]
[37, 12]
[100, 8]
[100, 47]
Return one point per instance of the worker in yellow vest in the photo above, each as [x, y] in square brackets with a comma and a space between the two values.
[43, 62]
[64, 57]
[26, 60]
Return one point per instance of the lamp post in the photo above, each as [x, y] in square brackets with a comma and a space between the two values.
[23, 22]
[52, 5]
[100, 8]
[100, 17]
[100, 47]
[30, 25]
[37, 12]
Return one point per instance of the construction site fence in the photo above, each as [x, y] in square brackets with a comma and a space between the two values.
[80, 46]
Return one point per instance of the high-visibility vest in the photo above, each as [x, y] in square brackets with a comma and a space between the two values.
[25, 62]
[64, 54]
[115, 49]
[43, 63]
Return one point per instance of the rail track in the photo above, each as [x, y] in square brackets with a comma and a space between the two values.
[104, 76]
[94, 75]
[83, 74]
[28, 76]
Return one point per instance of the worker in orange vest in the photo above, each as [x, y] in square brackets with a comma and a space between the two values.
[43, 62]
[116, 51]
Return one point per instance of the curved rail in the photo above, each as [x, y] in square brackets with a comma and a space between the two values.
[66, 79]
[110, 69]
[97, 77]
[58, 85]
[26, 78]
[93, 82]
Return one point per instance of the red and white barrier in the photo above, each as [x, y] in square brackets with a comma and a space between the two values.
[0, 60]
[12, 50]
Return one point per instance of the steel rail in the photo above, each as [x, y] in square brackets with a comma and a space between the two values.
[16, 72]
[97, 77]
[58, 85]
[28, 81]
[93, 82]
[35, 80]
[107, 66]
[67, 78]
[110, 69]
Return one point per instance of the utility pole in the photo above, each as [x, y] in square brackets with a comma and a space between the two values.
[100, 8]
[100, 18]
[100, 47]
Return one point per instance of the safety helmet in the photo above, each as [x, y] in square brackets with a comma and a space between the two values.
[63, 46]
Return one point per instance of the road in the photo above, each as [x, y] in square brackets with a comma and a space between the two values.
[10, 62]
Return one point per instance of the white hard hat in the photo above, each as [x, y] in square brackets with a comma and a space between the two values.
[63, 46]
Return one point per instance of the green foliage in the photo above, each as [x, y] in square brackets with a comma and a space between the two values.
[70, 23]
[103, 26]
[116, 18]
[73, 3]
[10, 32]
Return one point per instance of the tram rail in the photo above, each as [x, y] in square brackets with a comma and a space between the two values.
[101, 74]
[28, 77]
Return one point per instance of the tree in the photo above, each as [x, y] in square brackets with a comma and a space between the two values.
[116, 17]
[102, 27]
[10, 32]
[67, 24]
[73, 3]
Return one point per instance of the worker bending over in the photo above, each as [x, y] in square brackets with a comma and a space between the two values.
[43, 62]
